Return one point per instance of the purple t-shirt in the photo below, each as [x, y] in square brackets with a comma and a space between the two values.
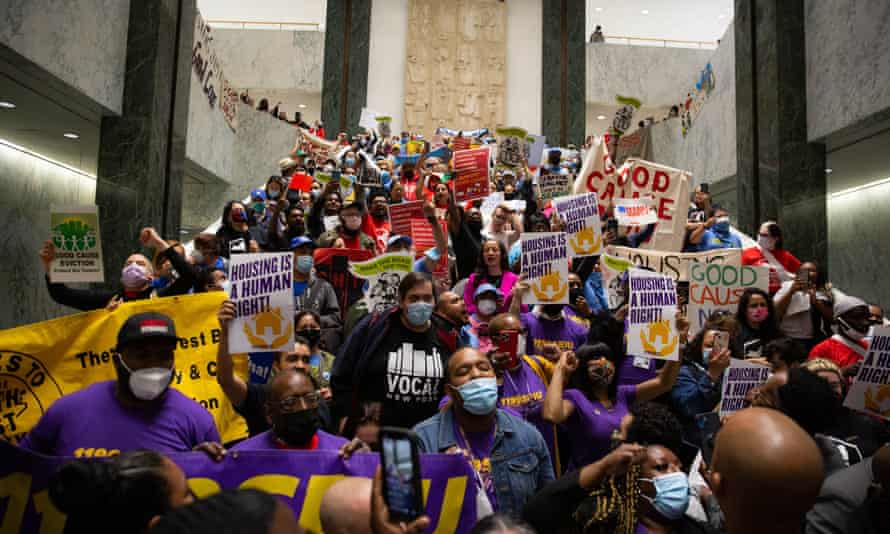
[564, 333]
[92, 423]
[480, 444]
[266, 441]
[634, 370]
[591, 424]
[522, 393]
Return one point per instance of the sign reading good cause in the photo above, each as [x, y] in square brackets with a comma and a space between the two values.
[75, 234]
[262, 289]
[384, 274]
[580, 215]
[718, 287]
[635, 211]
[675, 264]
[738, 381]
[651, 329]
[870, 392]
[546, 268]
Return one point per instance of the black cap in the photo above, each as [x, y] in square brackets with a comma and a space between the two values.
[352, 204]
[147, 325]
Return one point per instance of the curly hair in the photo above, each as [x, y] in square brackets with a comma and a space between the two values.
[654, 424]
[808, 400]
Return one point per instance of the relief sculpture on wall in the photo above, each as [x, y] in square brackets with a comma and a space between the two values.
[456, 65]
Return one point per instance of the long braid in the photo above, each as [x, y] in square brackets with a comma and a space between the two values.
[611, 508]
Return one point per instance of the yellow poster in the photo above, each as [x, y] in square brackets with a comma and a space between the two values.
[41, 362]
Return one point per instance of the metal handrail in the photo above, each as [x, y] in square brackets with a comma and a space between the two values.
[242, 24]
[667, 43]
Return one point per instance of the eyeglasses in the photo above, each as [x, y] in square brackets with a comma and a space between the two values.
[296, 402]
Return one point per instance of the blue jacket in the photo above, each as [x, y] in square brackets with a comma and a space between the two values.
[694, 393]
[520, 461]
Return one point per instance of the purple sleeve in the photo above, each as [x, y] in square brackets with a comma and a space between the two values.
[205, 428]
[468, 294]
[626, 394]
[42, 437]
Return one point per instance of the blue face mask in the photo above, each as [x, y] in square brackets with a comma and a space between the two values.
[705, 355]
[418, 313]
[385, 177]
[350, 162]
[479, 396]
[722, 225]
[671, 494]
[304, 264]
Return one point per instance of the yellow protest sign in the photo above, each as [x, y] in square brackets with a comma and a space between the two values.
[41, 362]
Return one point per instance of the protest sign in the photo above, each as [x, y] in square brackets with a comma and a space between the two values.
[612, 268]
[75, 234]
[368, 119]
[369, 178]
[738, 380]
[331, 222]
[553, 184]
[870, 391]
[546, 268]
[635, 211]
[511, 146]
[651, 329]
[535, 149]
[581, 217]
[298, 478]
[597, 167]
[675, 264]
[332, 264]
[383, 274]
[471, 174]
[262, 290]
[43, 361]
[408, 219]
[716, 286]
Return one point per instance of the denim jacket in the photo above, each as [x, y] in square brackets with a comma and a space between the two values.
[520, 461]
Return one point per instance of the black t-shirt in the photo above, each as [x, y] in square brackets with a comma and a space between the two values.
[254, 412]
[406, 375]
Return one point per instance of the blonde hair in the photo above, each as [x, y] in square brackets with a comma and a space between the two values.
[821, 364]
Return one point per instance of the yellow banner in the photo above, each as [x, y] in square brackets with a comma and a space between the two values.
[41, 362]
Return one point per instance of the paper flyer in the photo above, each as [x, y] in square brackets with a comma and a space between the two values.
[75, 234]
[262, 289]
[635, 211]
[651, 326]
[738, 380]
[383, 274]
[471, 174]
[553, 184]
[546, 267]
[580, 214]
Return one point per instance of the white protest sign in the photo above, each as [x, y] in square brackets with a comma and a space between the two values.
[368, 119]
[535, 145]
[491, 202]
[611, 268]
[546, 268]
[870, 391]
[262, 289]
[580, 214]
[738, 380]
[675, 264]
[331, 222]
[384, 274]
[718, 287]
[635, 211]
[651, 328]
[552, 184]
[75, 235]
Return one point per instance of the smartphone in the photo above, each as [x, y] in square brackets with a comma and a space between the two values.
[803, 275]
[400, 460]
[612, 225]
[703, 187]
[721, 341]
[508, 342]
[708, 424]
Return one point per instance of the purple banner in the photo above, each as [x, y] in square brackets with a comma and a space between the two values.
[300, 478]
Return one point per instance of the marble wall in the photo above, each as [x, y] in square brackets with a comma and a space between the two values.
[29, 186]
[82, 43]
[563, 67]
[657, 76]
[271, 59]
[847, 63]
[346, 49]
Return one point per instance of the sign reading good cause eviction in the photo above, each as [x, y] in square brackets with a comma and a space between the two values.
[75, 234]
[870, 392]
[262, 289]
[651, 329]
[546, 268]
[715, 287]
[738, 381]
[580, 215]
[384, 274]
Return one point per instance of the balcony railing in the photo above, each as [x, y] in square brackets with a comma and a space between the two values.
[262, 25]
[663, 43]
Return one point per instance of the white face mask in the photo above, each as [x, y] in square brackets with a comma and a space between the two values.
[487, 307]
[148, 384]
[767, 243]
[849, 331]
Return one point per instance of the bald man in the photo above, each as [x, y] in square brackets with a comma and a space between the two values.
[452, 322]
[766, 472]
[346, 507]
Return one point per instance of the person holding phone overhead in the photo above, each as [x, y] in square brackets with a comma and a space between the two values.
[803, 304]
[509, 455]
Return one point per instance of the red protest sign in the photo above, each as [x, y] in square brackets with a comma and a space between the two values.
[471, 174]
[332, 264]
[300, 182]
[400, 216]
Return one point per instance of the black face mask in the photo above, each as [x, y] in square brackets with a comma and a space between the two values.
[296, 428]
[297, 229]
[475, 226]
[552, 310]
[574, 293]
[312, 335]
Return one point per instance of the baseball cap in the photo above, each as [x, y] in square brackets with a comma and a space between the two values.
[287, 163]
[397, 238]
[485, 288]
[147, 325]
[258, 194]
[299, 241]
[354, 204]
[846, 303]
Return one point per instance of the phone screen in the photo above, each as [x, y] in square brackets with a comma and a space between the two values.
[401, 477]
[721, 341]
[508, 342]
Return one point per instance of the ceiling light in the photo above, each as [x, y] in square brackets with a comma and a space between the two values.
[302, 106]
[721, 16]
[828, 171]
[645, 12]
[6, 105]
[597, 9]
[71, 135]
[600, 117]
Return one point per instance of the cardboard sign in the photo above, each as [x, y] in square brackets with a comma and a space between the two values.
[870, 391]
[75, 234]
[738, 380]
[471, 178]
[676, 264]
[635, 211]
[511, 146]
[651, 328]
[262, 289]
[332, 264]
[535, 149]
[383, 274]
[545, 266]
[580, 214]
[553, 184]
[715, 287]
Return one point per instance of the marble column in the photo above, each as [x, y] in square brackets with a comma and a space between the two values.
[780, 174]
[563, 91]
[142, 152]
[344, 89]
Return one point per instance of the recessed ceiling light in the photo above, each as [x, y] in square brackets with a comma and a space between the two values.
[71, 135]
[828, 171]
[597, 9]
[600, 117]
[302, 106]
[645, 12]
[6, 105]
